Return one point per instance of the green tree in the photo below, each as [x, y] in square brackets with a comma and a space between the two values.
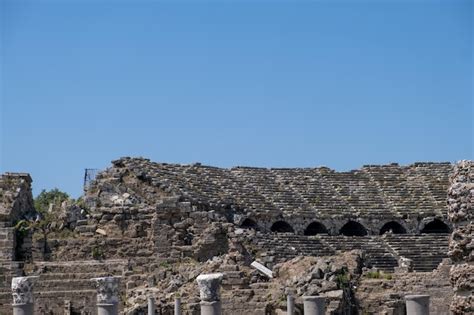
[45, 198]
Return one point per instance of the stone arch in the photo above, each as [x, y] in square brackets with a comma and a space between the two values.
[249, 224]
[436, 226]
[315, 228]
[353, 228]
[282, 227]
[393, 226]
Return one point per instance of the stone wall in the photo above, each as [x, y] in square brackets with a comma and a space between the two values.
[461, 213]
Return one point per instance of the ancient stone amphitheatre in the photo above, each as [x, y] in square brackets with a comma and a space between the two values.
[363, 239]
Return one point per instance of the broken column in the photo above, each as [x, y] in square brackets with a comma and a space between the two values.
[151, 305]
[314, 305]
[418, 304]
[209, 287]
[22, 291]
[177, 306]
[107, 295]
[290, 304]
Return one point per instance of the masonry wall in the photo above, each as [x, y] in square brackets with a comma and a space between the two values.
[461, 213]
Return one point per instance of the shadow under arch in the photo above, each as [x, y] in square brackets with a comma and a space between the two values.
[436, 226]
[281, 227]
[315, 228]
[353, 228]
[393, 226]
[249, 224]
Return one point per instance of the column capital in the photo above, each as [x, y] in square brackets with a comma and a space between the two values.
[107, 289]
[22, 289]
[209, 286]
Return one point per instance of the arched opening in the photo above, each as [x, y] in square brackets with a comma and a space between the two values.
[249, 224]
[436, 226]
[315, 228]
[394, 227]
[353, 228]
[282, 227]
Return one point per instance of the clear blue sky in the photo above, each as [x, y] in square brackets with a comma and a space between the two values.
[335, 83]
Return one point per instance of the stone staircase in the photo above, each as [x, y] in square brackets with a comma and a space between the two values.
[68, 283]
[376, 252]
[238, 296]
[277, 248]
[426, 250]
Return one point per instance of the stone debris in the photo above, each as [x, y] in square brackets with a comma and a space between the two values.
[267, 272]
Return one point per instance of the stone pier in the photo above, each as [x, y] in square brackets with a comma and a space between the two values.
[107, 295]
[22, 291]
[209, 290]
[418, 304]
[314, 305]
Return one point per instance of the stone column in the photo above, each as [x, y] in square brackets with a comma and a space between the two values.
[418, 304]
[22, 291]
[209, 287]
[107, 295]
[151, 305]
[314, 305]
[177, 306]
[290, 304]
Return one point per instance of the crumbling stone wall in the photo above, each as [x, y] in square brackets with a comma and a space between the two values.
[461, 245]
[379, 293]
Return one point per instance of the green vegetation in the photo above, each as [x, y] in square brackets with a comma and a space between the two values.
[45, 198]
[97, 253]
[378, 275]
[165, 264]
[342, 280]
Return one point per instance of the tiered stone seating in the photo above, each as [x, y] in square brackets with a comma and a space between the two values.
[308, 183]
[281, 247]
[355, 188]
[374, 191]
[426, 250]
[377, 254]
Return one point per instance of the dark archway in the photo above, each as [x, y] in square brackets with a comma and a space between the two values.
[393, 226]
[315, 228]
[249, 224]
[353, 228]
[282, 227]
[436, 226]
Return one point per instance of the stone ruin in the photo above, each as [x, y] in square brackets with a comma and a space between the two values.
[362, 239]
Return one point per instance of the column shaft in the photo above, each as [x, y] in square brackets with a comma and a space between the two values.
[107, 309]
[151, 305]
[177, 306]
[418, 304]
[290, 305]
[314, 305]
[23, 309]
[211, 308]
